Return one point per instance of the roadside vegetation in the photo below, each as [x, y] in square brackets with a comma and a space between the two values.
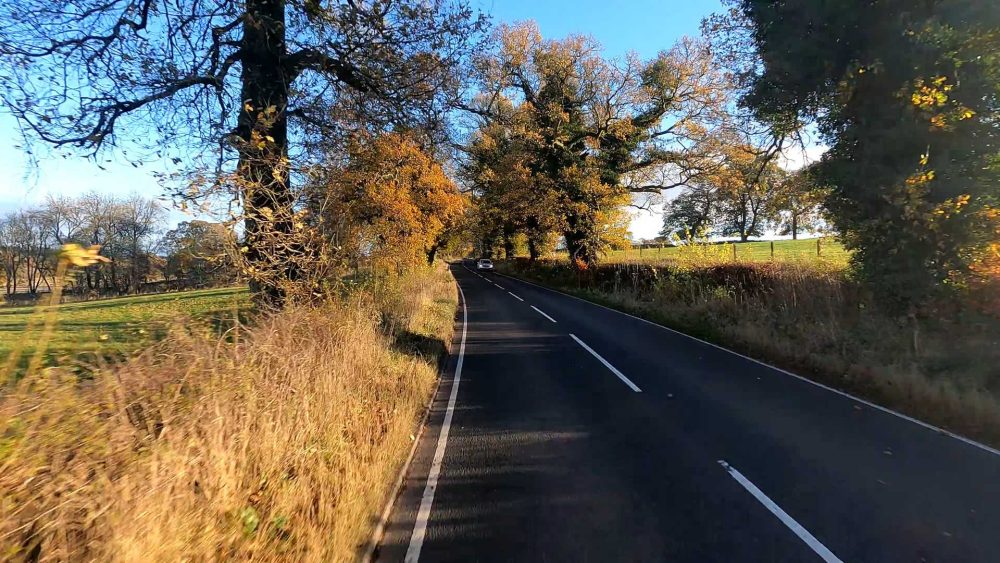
[278, 440]
[830, 253]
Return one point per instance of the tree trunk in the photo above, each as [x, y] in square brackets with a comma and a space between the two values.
[576, 241]
[533, 251]
[795, 226]
[508, 248]
[262, 170]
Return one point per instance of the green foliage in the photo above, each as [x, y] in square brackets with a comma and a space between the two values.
[907, 96]
[689, 215]
[111, 328]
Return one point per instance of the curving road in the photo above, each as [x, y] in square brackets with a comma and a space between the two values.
[564, 431]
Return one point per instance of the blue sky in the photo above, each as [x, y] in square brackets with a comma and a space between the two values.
[643, 26]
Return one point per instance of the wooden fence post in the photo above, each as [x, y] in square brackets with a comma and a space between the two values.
[734, 252]
[818, 251]
[772, 250]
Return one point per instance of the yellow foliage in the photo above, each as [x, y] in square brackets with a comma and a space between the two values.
[81, 257]
[391, 202]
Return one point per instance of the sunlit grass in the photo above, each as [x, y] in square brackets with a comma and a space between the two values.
[119, 326]
[830, 254]
[277, 443]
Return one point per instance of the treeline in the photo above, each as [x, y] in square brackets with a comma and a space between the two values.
[131, 232]
[746, 203]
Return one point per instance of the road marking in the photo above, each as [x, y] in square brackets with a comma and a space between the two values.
[424, 512]
[500, 286]
[542, 313]
[804, 535]
[607, 364]
[845, 394]
[515, 297]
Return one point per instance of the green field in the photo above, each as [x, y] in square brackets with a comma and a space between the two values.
[831, 252]
[116, 327]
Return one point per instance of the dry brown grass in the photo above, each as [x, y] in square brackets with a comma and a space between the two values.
[815, 321]
[276, 442]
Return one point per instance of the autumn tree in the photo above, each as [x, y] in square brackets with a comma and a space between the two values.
[746, 184]
[596, 131]
[388, 205]
[242, 77]
[907, 96]
[510, 199]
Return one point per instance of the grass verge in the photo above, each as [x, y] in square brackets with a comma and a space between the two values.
[813, 321]
[274, 442]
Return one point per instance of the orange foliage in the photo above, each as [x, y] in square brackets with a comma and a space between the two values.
[390, 203]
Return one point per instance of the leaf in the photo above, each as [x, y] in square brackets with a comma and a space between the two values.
[250, 520]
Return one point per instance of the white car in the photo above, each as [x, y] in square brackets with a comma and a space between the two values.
[484, 264]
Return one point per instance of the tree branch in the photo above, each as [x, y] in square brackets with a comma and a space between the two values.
[315, 60]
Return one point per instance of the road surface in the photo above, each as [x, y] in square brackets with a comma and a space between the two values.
[564, 431]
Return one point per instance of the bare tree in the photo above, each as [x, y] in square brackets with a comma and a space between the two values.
[26, 251]
[63, 219]
[137, 221]
[10, 252]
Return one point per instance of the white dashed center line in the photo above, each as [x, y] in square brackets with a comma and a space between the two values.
[608, 365]
[803, 534]
[542, 313]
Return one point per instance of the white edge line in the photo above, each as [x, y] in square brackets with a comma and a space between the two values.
[607, 364]
[515, 297]
[787, 520]
[379, 532]
[886, 410]
[427, 501]
[542, 313]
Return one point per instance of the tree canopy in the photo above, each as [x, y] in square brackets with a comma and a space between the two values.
[906, 94]
[592, 131]
[388, 205]
[89, 74]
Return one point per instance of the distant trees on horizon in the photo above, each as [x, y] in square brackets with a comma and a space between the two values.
[131, 232]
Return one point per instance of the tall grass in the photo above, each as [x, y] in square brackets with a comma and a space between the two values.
[272, 442]
[813, 319]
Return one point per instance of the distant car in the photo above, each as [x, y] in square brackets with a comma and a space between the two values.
[484, 264]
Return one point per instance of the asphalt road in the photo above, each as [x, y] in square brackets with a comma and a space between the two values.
[564, 431]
